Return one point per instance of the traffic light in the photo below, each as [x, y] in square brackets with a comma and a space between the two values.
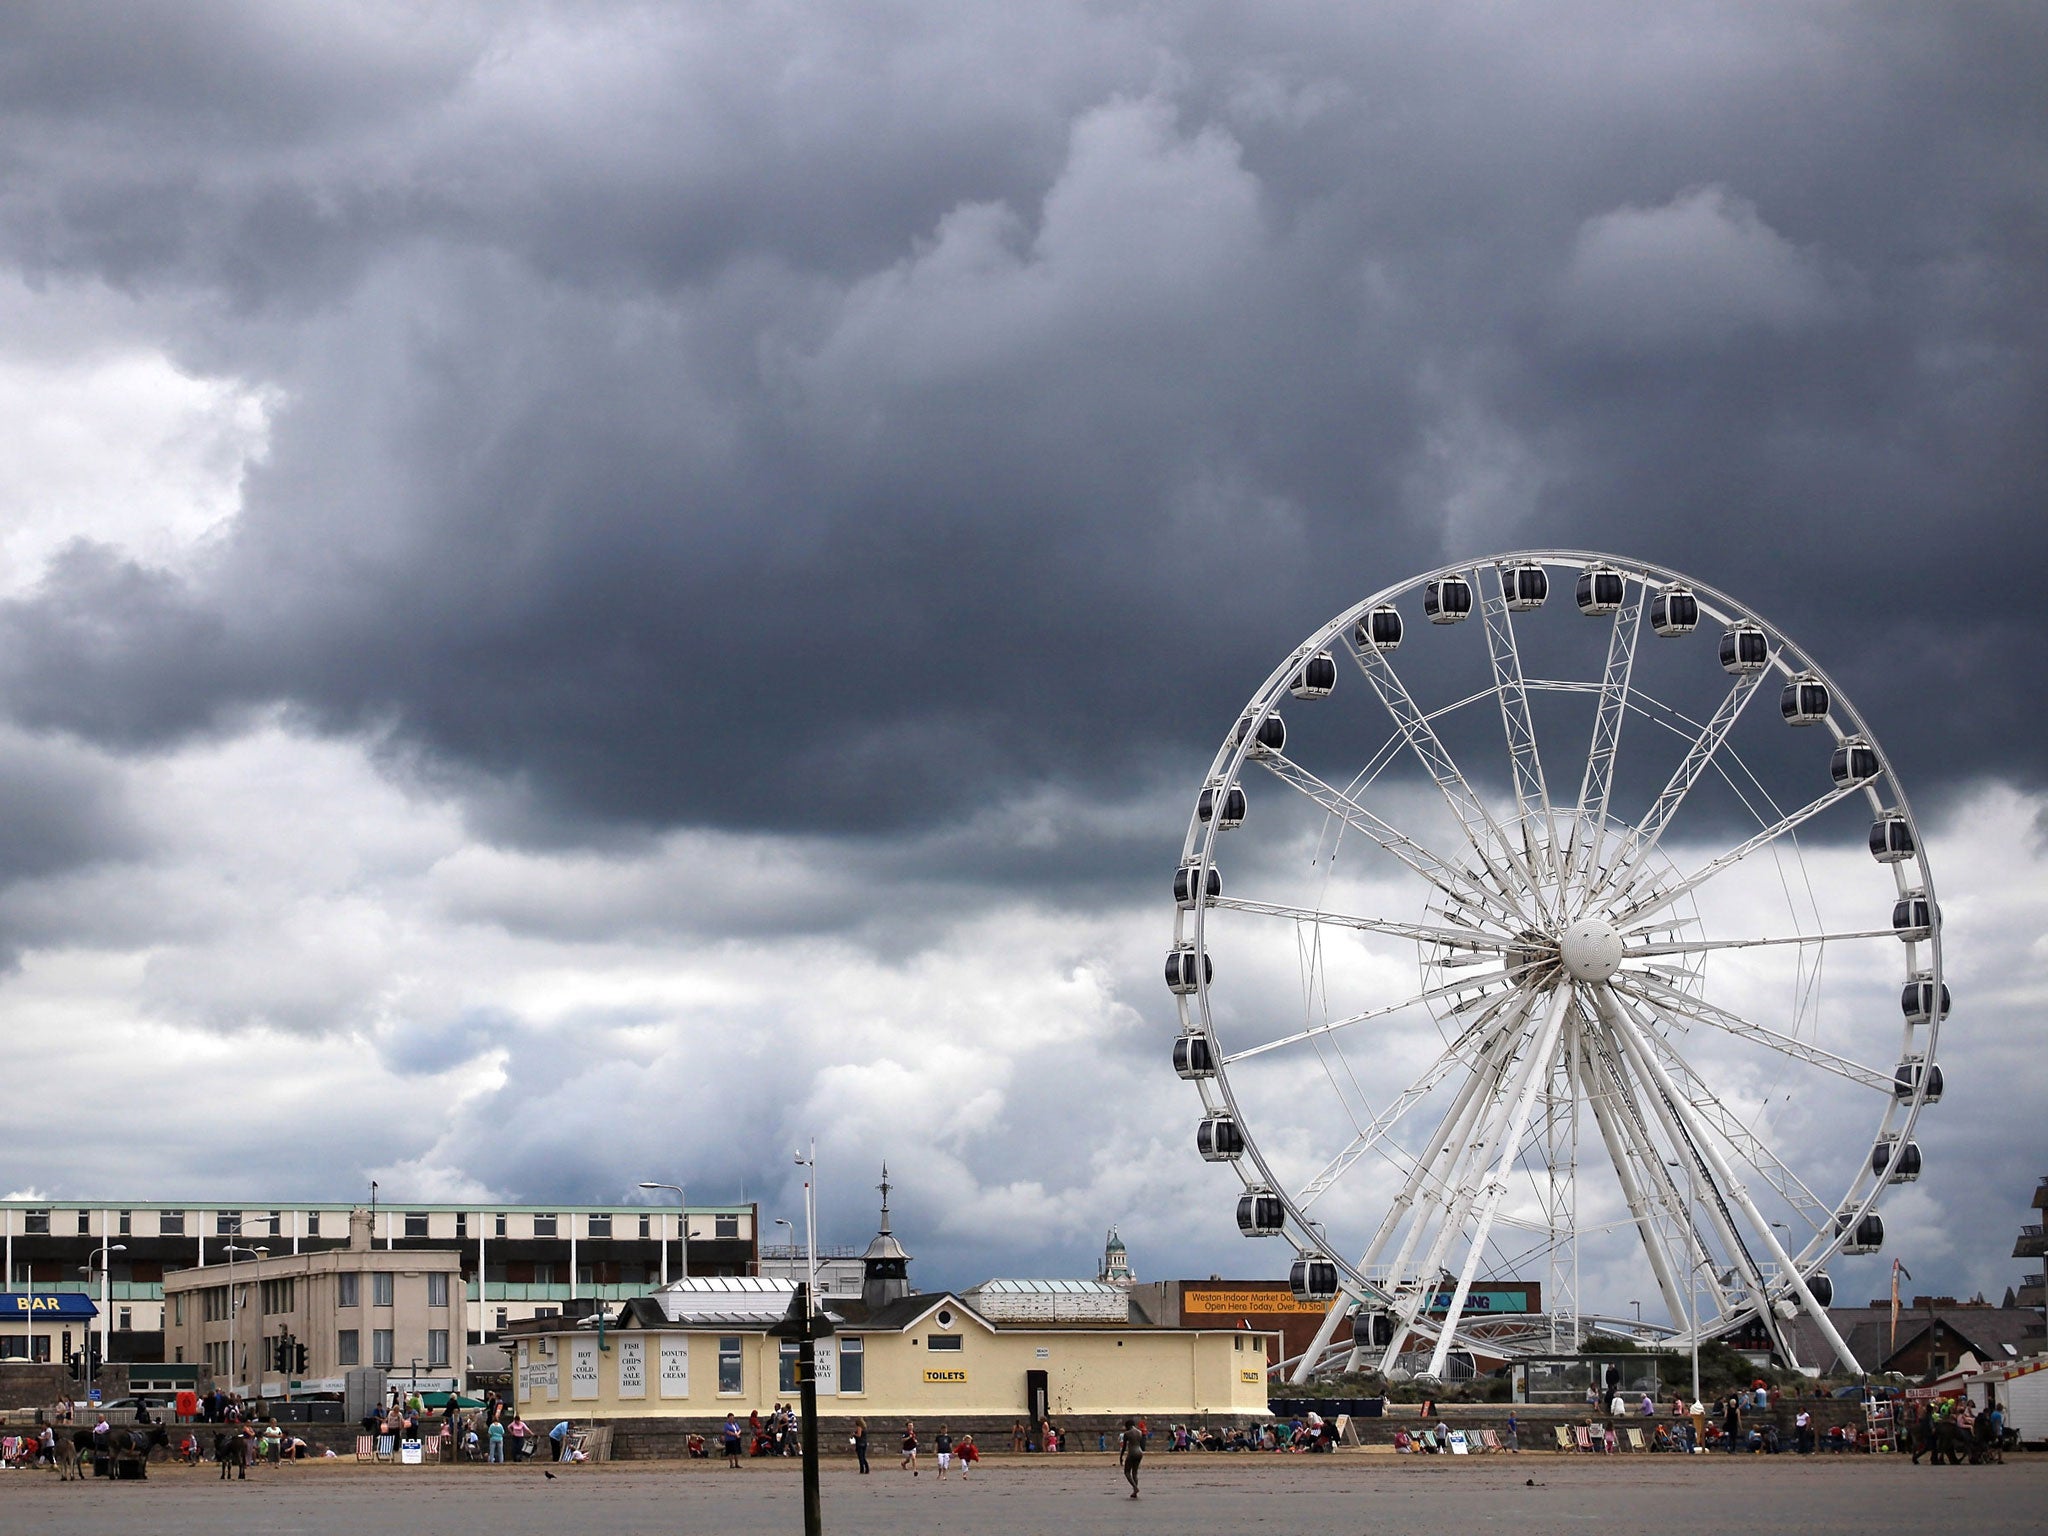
[298, 1359]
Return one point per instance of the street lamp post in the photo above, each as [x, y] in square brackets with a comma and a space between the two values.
[805, 1323]
[809, 1163]
[231, 1249]
[682, 1232]
[784, 1221]
[100, 1262]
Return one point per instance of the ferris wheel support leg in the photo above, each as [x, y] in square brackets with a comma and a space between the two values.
[1680, 1107]
[1632, 1192]
[1535, 1074]
[1459, 1141]
[1340, 1308]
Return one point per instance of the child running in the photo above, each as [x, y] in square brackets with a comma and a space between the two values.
[910, 1446]
[944, 1446]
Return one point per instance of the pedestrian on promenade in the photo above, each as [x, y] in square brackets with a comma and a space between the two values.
[943, 1445]
[1132, 1446]
[860, 1444]
[910, 1447]
[1514, 1436]
[732, 1442]
[966, 1454]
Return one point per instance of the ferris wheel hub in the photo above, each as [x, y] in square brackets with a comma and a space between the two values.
[1591, 949]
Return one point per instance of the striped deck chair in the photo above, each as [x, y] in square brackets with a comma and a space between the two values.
[1489, 1439]
[1636, 1440]
[1564, 1437]
[1429, 1440]
[366, 1447]
[1582, 1437]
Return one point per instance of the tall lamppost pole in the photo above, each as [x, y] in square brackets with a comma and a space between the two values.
[100, 1262]
[804, 1323]
[231, 1249]
[682, 1229]
[809, 1163]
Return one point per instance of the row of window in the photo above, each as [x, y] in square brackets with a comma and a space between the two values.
[348, 1347]
[236, 1224]
[282, 1295]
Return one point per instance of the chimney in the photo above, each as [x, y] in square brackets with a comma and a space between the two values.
[359, 1234]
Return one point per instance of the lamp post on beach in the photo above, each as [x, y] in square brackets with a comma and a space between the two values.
[231, 1249]
[100, 1262]
[682, 1232]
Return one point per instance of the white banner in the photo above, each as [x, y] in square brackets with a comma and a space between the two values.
[675, 1365]
[827, 1356]
[582, 1369]
[632, 1367]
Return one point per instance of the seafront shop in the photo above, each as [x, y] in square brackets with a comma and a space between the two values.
[45, 1328]
[702, 1349]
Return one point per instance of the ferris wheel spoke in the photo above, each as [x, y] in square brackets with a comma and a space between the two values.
[1630, 859]
[1495, 852]
[1450, 989]
[1532, 793]
[1457, 1053]
[1664, 998]
[1657, 897]
[1597, 782]
[1737, 1135]
[1730, 1189]
[1425, 933]
[1645, 1181]
[1702, 946]
[1455, 1145]
[1494, 1028]
[1452, 879]
[1535, 1072]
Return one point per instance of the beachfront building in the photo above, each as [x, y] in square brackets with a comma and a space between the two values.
[517, 1261]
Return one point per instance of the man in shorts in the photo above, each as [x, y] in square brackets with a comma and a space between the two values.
[1131, 1451]
[910, 1446]
[943, 1445]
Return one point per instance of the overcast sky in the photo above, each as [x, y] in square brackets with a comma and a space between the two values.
[589, 591]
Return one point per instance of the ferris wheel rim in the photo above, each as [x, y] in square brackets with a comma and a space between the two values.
[1844, 722]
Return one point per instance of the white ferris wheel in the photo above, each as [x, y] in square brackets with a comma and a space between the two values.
[1583, 939]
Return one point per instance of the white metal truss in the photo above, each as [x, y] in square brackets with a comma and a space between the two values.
[1541, 855]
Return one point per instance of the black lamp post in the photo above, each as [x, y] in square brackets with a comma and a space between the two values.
[807, 1327]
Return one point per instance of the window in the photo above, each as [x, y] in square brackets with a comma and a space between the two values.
[216, 1301]
[312, 1223]
[171, 1223]
[382, 1288]
[227, 1223]
[498, 1225]
[544, 1225]
[36, 1223]
[462, 1223]
[85, 1223]
[278, 1295]
[380, 1346]
[348, 1347]
[543, 1274]
[503, 1316]
[348, 1290]
[547, 1311]
[127, 1226]
[277, 1223]
[785, 1367]
[437, 1290]
[178, 1311]
[731, 1376]
[725, 1226]
[853, 1365]
[647, 1226]
[415, 1223]
[945, 1341]
[437, 1346]
[601, 1226]
[125, 1319]
[585, 1275]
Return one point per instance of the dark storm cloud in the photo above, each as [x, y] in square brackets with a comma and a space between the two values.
[837, 425]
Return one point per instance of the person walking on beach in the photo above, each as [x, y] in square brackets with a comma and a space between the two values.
[910, 1447]
[943, 1445]
[1131, 1451]
[860, 1444]
[731, 1435]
